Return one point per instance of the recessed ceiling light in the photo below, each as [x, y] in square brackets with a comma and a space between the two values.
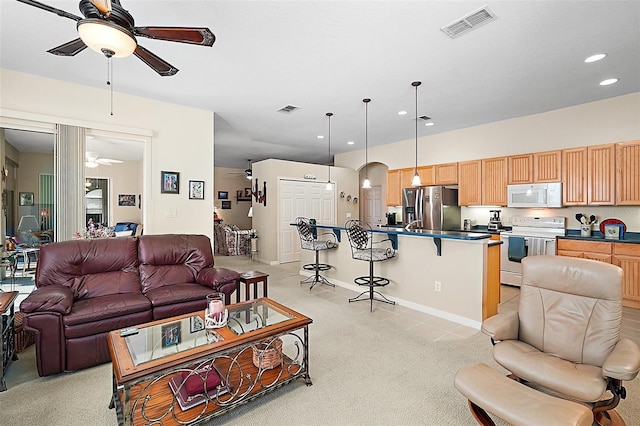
[429, 124]
[402, 112]
[350, 143]
[608, 81]
[594, 58]
[320, 137]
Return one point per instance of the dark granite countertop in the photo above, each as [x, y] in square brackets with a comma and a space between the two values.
[574, 234]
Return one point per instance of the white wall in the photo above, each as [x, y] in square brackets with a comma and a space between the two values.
[125, 178]
[181, 141]
[607, 121]
[265, 218]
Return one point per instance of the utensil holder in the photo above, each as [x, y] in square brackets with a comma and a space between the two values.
[585, 230]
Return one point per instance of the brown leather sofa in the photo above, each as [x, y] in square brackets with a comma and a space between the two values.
[86, 288]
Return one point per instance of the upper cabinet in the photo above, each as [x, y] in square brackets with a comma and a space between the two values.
[393, 188]
[539, 167]
[602, 175]
[438, 174]
[494, 181]
[483, 182]
[628, 173]
[520, 169]
[470, 183]
[446, 174]
[574, 177]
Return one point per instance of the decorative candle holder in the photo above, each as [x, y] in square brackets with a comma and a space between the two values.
[215, 315]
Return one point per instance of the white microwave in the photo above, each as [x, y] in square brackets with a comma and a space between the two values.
[535, 195]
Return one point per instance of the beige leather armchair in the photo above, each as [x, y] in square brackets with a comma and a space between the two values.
[565, 336]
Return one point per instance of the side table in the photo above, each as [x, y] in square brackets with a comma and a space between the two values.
[7, 348]
[252, 278]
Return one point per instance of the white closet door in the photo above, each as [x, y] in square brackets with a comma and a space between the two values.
[302, 199]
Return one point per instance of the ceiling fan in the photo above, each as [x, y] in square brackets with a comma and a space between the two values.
[247, 173]
[109, 29]
[94, 161]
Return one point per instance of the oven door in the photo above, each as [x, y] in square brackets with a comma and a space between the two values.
[511, 271]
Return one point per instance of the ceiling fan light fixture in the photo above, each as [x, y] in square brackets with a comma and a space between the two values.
[107, 38]
[91, 164]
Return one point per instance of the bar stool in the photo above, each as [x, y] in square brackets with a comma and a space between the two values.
[362, 248]
[309, 241]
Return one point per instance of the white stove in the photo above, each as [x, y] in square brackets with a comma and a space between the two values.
[529, 236]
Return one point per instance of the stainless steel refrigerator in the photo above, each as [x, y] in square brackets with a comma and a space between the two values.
[431, 207]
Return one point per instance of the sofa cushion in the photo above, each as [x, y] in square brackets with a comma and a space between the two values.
[110, 306]
[177, 293]
[172, 259]
[90, 267]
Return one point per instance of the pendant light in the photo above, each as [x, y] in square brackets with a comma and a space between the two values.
[366, 184]
[416, 177]
[329, 185]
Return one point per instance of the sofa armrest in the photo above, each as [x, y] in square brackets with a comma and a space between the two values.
[215, 277]
[51, 298]
[502, 326]
[623, 363]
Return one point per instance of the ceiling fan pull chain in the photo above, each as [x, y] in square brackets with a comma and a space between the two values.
[109, 80]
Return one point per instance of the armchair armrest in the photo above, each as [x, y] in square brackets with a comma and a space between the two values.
[623, 363]
[214, 277]
[502, 326]
[52, 298]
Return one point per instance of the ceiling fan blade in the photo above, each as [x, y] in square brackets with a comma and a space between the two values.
[51, 9]
[159, 65]
[104, 6]
[201, 36]
[70, 48]
[107, 161]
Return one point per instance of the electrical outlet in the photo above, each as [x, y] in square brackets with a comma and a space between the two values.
[438, 286]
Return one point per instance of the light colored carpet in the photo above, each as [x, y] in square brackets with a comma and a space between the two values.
[367, 369]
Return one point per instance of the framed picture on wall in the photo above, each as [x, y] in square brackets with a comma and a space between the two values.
[127, 200]
[226, 205]
[26, 198]
[242, 195]
[223, 195]
[170, 183]
[196, 190]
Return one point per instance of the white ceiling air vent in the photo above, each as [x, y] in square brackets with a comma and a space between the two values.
[288, 109]
[469, 22]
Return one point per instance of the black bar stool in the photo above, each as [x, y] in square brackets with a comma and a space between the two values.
[362, 248]
[309, 241]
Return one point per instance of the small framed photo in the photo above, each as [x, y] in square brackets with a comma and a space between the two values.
[127, 200]
[242, 195]
[171, 335]
[170, 182]
[196, 190]
[223, 195]
[26, 198]
[226, 205]
[247, 192]
[196, 323]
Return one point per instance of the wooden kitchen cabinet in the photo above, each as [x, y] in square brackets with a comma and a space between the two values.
[574, 176]
[520, 169]
[406, 176]
[547, 166]
[470, 183]
[601, 175]
[628, 173]
[394, 192]
[627, 257]
[594, 250]
[588, 175]
[427, 175]
[494, 181]
[446, 174]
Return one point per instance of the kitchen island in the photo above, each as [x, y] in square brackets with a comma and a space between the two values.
[466, 265]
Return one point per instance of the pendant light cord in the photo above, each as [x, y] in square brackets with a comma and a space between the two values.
[109, 81]
[329, 114]
[416, 84]
[366, 137]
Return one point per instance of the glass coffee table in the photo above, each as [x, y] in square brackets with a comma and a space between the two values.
[174, 371]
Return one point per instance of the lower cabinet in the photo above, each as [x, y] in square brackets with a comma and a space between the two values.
[624, 255]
